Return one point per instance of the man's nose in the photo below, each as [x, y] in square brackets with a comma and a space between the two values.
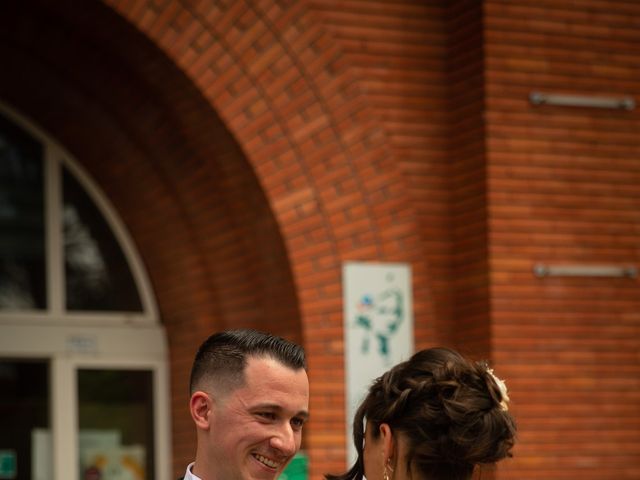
[285, 441]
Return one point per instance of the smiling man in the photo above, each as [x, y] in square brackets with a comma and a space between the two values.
[249, 401]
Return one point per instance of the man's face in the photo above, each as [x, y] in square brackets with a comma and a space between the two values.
[257, 428]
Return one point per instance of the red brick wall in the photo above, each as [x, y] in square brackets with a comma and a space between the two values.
[399, 51]
[468, 185]
[564, 188]
[251, 147]
[420, 65]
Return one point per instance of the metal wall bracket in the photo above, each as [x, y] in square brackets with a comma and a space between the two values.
[617, 103]
[542, 270]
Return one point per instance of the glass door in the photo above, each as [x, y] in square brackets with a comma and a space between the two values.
[25, 435]
[115, 424]
[120, 422]
[80, 403]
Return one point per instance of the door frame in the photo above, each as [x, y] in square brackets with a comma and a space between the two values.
[70, 348]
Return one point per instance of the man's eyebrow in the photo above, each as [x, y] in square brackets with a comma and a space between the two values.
[278, 408]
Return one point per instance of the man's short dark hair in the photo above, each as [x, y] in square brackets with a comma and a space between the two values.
[223, 356]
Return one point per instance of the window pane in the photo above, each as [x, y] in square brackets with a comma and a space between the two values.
[22, 242]
[25, 438]
[97, 273]
[115, 417]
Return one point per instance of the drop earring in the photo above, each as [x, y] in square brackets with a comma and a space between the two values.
[387, 469]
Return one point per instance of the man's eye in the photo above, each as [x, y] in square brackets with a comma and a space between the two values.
[297, 422]
[267, 415]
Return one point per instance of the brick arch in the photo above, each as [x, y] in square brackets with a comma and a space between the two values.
[285, 91]
[173, 172]
[287, 94]
[281, 86]
[237, 147]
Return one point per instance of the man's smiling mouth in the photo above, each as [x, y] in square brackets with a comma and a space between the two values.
[266, 461]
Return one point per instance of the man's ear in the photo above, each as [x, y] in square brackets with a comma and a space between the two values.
[388, 444]
[201, 407]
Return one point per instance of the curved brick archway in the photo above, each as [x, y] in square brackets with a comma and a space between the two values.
[283, 88]
[188, 192]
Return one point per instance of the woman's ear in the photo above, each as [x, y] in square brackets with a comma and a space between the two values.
[200, 407]
[388, 444]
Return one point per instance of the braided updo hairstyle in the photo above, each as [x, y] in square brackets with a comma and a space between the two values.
[452, 412]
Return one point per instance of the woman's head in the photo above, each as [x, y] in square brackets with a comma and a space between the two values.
[436, 415]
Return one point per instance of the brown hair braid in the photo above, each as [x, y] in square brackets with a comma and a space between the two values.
[450, 410]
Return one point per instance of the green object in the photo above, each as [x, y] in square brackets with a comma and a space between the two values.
[298, 468]
[8, 464]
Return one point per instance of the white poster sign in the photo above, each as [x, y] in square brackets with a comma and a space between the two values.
[378, 327]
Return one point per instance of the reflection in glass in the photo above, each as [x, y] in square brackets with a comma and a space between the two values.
[22, 242]
[115, 417]
[24, 418]
[96, 271]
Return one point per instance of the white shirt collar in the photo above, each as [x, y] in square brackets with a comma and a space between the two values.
[190, 476]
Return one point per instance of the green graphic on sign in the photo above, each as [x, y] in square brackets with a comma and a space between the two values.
[8, 464]
[380, 316]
